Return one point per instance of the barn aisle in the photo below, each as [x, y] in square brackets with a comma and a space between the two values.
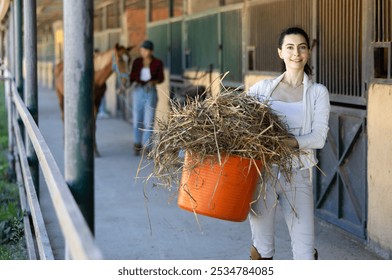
[130, 226]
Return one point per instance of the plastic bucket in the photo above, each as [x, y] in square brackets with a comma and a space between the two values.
[219, 191]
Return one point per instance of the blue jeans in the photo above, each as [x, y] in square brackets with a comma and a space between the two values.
[144, 103]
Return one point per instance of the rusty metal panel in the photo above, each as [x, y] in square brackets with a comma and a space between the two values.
[340, 49]
[265, 28]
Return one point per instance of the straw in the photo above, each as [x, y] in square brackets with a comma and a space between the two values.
[227, 123]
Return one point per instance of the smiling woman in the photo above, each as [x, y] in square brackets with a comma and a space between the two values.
[295, 53]
[304, 107]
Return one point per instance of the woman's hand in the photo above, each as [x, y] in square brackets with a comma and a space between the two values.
[290, 142]
[152, 83]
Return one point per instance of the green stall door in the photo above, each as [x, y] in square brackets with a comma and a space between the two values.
[203, 44]
[176, 48]
[159, 35]
[231, 26]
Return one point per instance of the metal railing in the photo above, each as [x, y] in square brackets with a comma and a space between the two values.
[77, 235]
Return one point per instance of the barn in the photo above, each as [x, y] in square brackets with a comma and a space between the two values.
[200, 40]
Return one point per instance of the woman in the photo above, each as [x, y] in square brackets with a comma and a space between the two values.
[304, 106]
[147, 72]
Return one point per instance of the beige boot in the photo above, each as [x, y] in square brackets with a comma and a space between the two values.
[255, 255]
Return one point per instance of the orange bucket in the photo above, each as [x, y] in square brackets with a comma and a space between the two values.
[219, 191]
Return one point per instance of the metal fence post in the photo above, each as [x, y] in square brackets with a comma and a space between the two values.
[30, 91]
[78, 104]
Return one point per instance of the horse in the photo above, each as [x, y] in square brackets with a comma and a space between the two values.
[117, 60]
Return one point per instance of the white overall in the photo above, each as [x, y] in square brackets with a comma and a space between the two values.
[295, 199]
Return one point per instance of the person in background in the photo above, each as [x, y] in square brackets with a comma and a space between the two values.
[146, 73]
[304, 106]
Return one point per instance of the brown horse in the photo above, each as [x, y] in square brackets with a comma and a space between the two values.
[116, 60]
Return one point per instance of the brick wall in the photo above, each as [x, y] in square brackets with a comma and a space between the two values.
[136, 28]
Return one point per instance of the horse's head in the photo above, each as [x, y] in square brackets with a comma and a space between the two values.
[121, 63]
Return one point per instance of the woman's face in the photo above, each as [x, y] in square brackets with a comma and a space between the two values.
[295, 52]
[145, 53]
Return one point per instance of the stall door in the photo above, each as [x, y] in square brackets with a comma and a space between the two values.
[341, 194]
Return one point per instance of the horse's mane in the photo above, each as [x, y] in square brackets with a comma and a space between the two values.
[58, 69]
[102, 59]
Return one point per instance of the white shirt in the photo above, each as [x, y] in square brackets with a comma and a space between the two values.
[290, 113]
[145, 74]
[315, 108]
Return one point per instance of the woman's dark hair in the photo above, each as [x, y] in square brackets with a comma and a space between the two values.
[297, 31]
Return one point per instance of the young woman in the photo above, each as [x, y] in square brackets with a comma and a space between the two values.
[304, 106]
[147, 72]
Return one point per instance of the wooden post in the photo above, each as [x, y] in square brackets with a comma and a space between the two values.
[171, 8]
[148, 11]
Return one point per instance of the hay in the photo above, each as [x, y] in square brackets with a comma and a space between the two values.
[229, 123]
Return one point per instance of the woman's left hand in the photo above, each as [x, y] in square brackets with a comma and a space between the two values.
[290, 142]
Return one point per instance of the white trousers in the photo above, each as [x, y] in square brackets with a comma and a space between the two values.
[296, 201]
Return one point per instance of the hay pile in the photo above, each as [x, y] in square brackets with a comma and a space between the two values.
[229, 123]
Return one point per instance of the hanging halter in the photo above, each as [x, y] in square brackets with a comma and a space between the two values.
[124, 75]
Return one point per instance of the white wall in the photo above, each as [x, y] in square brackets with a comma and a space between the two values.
[380, 167]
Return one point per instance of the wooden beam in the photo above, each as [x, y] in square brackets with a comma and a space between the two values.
[103, 4]
[43, 243]
[73, 225]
